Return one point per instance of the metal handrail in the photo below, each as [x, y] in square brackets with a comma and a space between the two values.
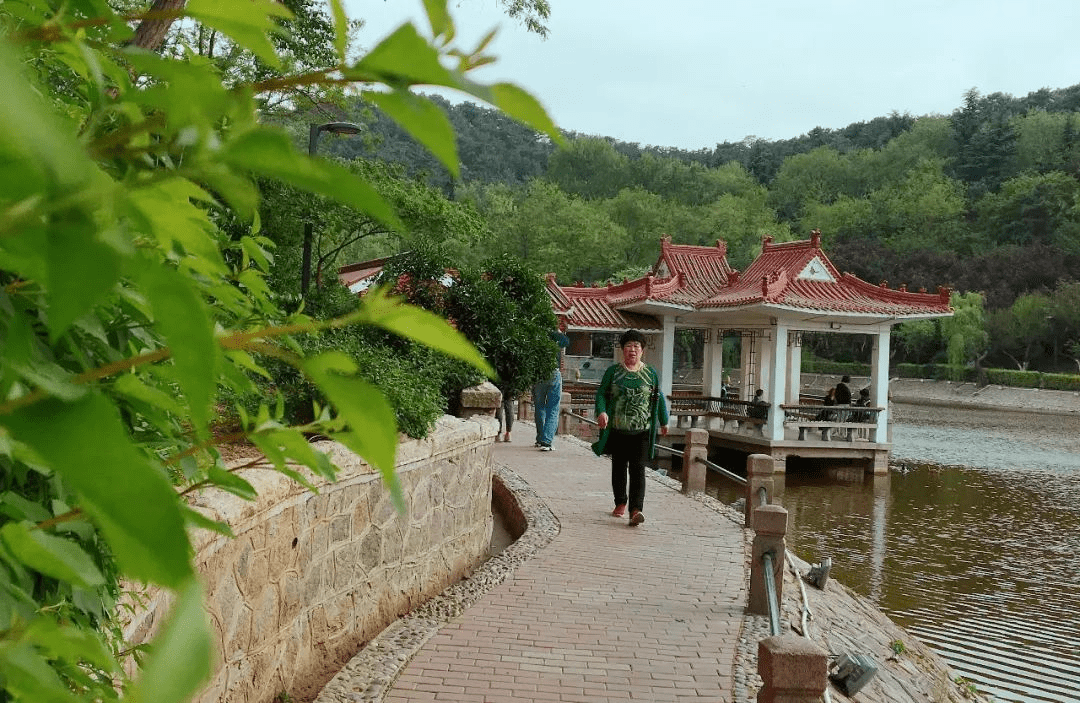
[724, 472]
[574, 415]
[676, 452]
[770, 593]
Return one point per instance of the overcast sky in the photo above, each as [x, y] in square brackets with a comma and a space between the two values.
[692, 73]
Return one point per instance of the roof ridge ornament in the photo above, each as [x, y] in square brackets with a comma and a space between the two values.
[815, 238]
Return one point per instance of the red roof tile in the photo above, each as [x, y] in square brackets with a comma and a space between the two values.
[794, 275]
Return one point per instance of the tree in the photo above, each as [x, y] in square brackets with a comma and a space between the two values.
[126, 310]
[1018, 331]
[965, 332]
[1033, 209]
[590, 167]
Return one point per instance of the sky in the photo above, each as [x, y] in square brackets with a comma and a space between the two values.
[694, 73]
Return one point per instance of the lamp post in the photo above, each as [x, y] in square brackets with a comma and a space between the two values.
[313, 141]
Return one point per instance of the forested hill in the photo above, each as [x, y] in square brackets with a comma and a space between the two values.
[985, 200]
[496, 149]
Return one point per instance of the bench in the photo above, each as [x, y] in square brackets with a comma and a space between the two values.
[806, 417]
[728, 409]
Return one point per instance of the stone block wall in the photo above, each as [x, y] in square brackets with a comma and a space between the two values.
[310, 577]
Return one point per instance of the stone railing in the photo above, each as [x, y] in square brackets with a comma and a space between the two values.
[310, 577]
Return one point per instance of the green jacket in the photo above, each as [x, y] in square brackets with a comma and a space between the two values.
[658, 412]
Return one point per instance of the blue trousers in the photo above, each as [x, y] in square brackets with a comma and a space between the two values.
[545, 396]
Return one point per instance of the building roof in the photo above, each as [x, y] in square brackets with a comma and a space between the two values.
[794, 276]
[687, 279]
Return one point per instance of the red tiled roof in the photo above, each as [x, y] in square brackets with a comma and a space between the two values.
[592, 308]
[354, 273]
[774, 278]
[699, 271]
[790, 274]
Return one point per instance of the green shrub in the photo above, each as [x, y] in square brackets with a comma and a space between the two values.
[838, 368]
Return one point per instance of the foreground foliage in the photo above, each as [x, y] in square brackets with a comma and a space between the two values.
[125, 311]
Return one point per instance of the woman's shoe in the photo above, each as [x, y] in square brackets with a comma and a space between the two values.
[636, 518]
[619, 510]
[506, 437]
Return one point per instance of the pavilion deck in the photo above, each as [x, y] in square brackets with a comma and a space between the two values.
[729, 421]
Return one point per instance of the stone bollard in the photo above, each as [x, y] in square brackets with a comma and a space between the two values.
[480, 400]
[693, 462]
[793, 670]
[759, 473]
[770, 526]
[564, 416]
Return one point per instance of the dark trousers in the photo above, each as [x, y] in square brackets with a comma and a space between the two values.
[628, 453]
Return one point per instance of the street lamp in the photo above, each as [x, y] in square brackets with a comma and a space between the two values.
[313, 141]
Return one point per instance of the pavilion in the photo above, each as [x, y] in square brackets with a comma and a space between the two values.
[790, 289]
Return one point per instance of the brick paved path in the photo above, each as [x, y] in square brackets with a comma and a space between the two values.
[605, 612]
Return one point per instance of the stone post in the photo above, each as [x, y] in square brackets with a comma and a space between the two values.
[480, 400]
[693, 462]
[564, 418]
[793, 670]
[770, 527]
[759, 473]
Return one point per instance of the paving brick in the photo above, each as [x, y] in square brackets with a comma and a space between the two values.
[604, 612]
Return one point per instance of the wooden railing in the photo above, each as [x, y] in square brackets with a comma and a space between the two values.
[831, 420]
[697, 407]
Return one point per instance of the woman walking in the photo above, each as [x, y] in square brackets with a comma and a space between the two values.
[630, 410]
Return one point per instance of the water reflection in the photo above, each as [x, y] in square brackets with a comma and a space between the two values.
[981, 563]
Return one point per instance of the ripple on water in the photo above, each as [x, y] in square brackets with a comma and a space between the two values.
[980, 563]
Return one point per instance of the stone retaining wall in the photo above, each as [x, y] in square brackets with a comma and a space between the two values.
[310, 577]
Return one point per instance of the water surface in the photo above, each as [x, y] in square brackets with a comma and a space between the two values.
[977, 553]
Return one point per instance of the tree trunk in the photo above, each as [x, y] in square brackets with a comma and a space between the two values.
[151, 32]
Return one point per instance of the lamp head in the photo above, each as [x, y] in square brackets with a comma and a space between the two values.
[341, 128]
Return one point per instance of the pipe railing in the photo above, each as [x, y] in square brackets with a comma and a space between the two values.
[770, 593]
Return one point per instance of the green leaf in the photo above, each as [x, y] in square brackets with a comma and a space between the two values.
[231, 483]
[245, 361]
[131, 386]
[197, 519]
[129, 499]
[73, 644]
[53, 556]
[18, 508]
[402, 59]
[82, 271]
[180, 658]
[270, 153]
[421, 326]
[28, 677]
[441, 22]
[23, 356]
[341, 29]
[423, 120]
[248, 23]
[525, 108]
[167, 213]
[296, 447]
[372, 425]
[34, 137]
[182, 316]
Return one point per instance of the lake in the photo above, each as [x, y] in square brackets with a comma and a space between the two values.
[971, 542]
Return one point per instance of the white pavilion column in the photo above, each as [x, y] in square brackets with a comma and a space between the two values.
[747, 341]
[713, 372]
[665, 356]
[776, 391]
[879, 383]
[766, 354]
[794, 364]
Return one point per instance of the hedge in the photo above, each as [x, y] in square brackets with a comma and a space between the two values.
[1000, 377]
